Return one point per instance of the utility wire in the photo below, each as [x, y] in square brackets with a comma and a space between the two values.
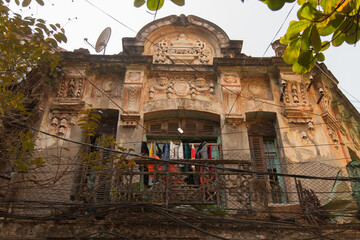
[192, 67]
[197, 164]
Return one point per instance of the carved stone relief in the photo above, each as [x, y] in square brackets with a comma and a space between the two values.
[70, 87]
[180, 86]
[132, 96]
[60, 123]
[181, 103]
[181, 50]
[258, 88]
[296, 107]
[230, 79]
[231, 92]
[110, 86]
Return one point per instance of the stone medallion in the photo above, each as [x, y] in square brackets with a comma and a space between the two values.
[181, 88]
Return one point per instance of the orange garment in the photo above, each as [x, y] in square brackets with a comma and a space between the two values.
[151, 167]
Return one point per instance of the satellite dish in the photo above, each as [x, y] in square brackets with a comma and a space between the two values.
[103, 40]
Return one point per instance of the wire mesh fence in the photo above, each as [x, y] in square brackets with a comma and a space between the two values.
[70, 188]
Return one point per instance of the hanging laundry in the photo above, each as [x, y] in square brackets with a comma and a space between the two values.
[193, 152]
[151, 166]
[201, 152]
[145, 152]
[159, 152]
[208, 148]
[215, 152]
[181, 151]
[166, 151]
[187, 168]
[172, 150]
[151, 152]
[144, 149]
[181, 156]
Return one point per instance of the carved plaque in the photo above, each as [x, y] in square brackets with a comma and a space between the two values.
[182, 50]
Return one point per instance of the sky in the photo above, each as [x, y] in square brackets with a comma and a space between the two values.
[251, 22]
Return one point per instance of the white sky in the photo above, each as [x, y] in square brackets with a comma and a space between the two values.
[251, 22]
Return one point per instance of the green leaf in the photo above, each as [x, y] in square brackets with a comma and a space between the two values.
[299, 68]
[314, 3]
[332, 25]
[295, 27]
[53, 26]
[292, 52]
[338, 37]
[305, 58]
[139, 3]
[40, 2]
[306, 12]
[305, 39]
[38, 161]
[320, 57]
[179, 2]
[26, 3]
[325, 45]
[315, 39]
[22, 167]
[274, 4]
[301, 2]
[41, 25]
[154, 5]
[60, 37]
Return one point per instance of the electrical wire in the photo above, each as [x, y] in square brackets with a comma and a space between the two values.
[197, 164]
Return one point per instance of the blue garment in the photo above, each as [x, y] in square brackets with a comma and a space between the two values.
[166, 151]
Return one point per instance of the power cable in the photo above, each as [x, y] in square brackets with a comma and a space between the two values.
[197, 164]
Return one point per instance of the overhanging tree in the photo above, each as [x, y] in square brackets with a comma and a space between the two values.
[320, 24]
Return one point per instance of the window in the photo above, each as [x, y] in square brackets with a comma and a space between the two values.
[264, 153]
[87, 179]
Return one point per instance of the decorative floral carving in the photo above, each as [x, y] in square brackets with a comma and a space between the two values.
[181, 51]
[230, 78]
[181, 86]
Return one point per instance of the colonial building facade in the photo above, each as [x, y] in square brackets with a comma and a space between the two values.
[182, 85]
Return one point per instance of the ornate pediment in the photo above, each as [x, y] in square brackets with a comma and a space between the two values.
[181, 49]
[180, 86]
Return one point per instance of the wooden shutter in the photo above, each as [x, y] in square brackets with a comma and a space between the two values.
[103, 192]
[155, 128]
[190, 127]
[208, 129]
[257, 154]
[172, 127]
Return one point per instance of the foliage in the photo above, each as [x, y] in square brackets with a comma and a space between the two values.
[102, 162]
[154, 5]
[25, 43]
[27, 56]
[320, 24]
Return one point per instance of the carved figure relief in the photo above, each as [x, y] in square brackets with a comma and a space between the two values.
[296, 108]
[294, 93]
[180, 86]
[70, 88]
[181, 50]
[60, 123]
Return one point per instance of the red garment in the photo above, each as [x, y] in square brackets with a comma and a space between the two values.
[193, 154]
[208, 148]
